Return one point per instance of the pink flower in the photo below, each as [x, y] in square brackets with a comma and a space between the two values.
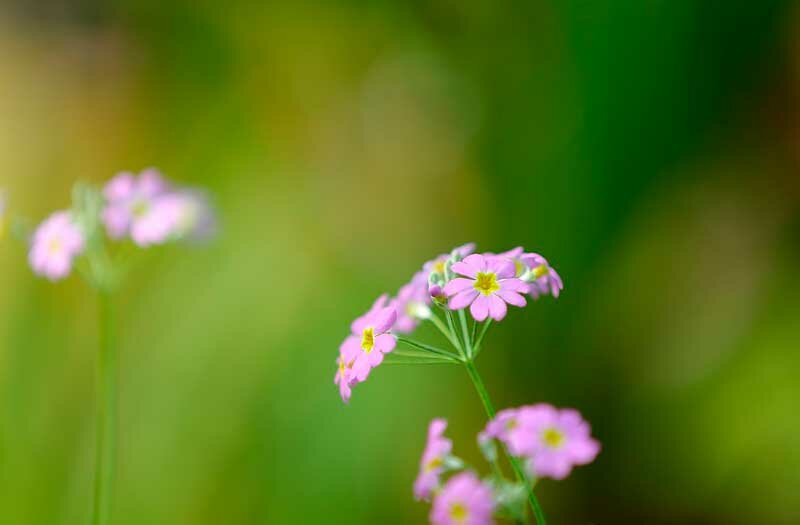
[56, 242]
[505, 427]
[412, 304]
[553, 440]
[344, 372]
[432, 463]
[489, 283]
[370, 338]
[464, 500]
[542, 277]
[135, 207]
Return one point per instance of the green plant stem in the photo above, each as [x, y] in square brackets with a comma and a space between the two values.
[462, 318]
[451, 324]
[487, 405]
[106, 379]
[443, 329]
[427, 348]
[476, 347]
[421, 355]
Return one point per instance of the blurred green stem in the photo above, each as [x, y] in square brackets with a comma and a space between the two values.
[106, 378]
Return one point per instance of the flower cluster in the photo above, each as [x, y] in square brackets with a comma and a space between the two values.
[551, 440]
[145, 208]
[485, 283]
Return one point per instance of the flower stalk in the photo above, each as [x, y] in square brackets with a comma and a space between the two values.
[106, 419]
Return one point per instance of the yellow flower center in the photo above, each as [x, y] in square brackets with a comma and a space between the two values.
[139, 208]
[553, 438]
[540, 271]
[434, 464]
[368, 339]
[511, 424]
[486, 283]
[54, 246]
[438, 266]
[459, 513]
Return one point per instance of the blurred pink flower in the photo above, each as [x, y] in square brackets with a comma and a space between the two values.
[134, 207]
[344, 372]
[464, 500]
[489, 283]
[55, 243]
[412, 304]
[542, 277]
[552, 440]
[371, 337]
[432, 463]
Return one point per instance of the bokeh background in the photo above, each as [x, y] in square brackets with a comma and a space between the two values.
[649, 149]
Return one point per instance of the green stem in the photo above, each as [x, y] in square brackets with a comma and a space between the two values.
[443, 329]
[106, 413]
[452, 326]
[487, 405]
[465, 333]
[417, 361]
[427, 348]
[476, 347]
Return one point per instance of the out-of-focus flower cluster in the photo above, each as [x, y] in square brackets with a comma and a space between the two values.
[485, 283]
[147, 209]
[551, 441]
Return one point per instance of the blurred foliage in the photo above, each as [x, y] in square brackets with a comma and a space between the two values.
[648, 149]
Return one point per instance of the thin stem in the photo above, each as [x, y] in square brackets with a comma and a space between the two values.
[452, 326]
[476, 347]
[487, 405]
[462, 317]
[388, 361]
[427, 348]
[106, 377]
[443, 329]
[423, 356]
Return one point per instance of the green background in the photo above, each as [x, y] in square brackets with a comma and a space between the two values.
[649, 149]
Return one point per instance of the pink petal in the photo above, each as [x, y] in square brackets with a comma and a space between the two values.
[480, 308]
[497, 307]
[374, 358]
[361, 367]
[463, 268]
[475, 261]
[511, 297]
[459, 284]
[462, 300]
[503, 267]
[384, 320]
[384, 343]
[515, 285]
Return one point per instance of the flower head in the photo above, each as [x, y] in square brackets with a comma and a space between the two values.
[432, 463]
[345, 377]
[488, 283]
[552, 440]
[542, 277]
[370, 339]
[56, 242]
[412, 304]
[135, 207]
[464, 500]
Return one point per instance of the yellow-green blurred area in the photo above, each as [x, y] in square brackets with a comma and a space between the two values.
[649, 149]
